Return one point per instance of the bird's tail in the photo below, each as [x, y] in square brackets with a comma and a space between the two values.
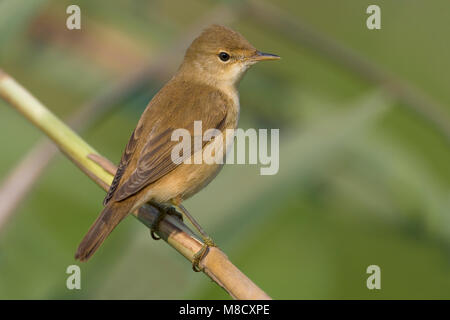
[108, 219]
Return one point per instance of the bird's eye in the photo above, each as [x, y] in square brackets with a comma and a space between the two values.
[224, 56]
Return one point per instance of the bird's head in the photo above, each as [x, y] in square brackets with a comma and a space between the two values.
[221, 56]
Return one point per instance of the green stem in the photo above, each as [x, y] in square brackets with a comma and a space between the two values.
[66, 139]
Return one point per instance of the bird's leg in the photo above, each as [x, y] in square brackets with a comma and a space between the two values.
[207, 241]
[164, 209]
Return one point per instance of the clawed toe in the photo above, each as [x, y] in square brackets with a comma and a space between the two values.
[154, 235]
[163, 210]
[208, 242]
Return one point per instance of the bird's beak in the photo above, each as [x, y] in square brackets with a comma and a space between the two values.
[261, 56]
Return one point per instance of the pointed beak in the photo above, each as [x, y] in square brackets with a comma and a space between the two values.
[261, 56]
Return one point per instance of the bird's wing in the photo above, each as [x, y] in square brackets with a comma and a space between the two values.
[165, 113]
[130, 148]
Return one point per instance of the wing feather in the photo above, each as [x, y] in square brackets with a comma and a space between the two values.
[153, 159]
[130, 148]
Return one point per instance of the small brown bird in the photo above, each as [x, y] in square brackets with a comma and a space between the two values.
[203, 89]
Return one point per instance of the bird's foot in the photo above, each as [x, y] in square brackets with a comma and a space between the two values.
[163, 211]
[207, 242]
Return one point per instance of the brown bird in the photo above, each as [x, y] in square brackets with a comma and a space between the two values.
[203, 89]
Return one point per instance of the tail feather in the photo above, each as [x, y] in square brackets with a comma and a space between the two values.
[108, 219]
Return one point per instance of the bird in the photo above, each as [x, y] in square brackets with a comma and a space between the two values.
[203, 89]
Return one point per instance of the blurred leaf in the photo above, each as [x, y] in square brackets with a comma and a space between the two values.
[15, 15]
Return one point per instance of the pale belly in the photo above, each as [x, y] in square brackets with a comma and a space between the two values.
[184, 181]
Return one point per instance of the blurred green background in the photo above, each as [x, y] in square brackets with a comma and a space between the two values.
[364, 178]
